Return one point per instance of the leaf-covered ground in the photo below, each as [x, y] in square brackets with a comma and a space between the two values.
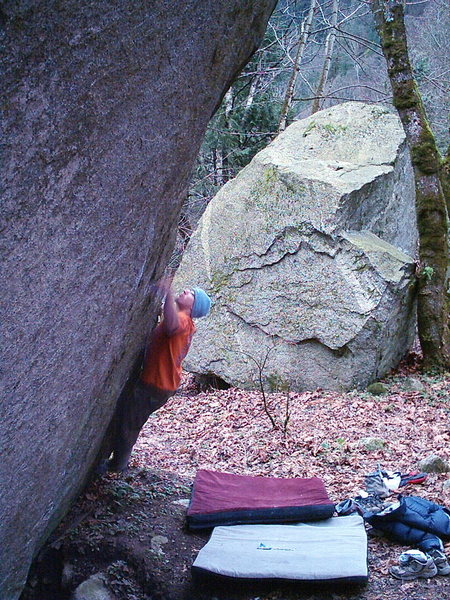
[131, 527]
[230, 431]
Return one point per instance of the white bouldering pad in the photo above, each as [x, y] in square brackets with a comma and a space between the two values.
[329, 550]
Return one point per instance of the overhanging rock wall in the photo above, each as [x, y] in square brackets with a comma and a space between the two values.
[105, 105]
[310, 248]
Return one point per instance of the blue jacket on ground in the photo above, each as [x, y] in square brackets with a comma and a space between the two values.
[415, 522]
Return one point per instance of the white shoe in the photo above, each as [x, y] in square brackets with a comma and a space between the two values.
[412, 565]
[440, 560]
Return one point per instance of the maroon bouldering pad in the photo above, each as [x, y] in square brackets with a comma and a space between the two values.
[227, 499]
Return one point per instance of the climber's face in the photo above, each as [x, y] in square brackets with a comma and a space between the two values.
[185, 300]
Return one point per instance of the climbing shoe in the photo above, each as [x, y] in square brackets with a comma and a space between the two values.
[412, 478]
[412, 565]
[440, 560]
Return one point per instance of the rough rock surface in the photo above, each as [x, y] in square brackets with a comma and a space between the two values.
[93, 588]
[105, 105]
[309, 249]
[434, 464]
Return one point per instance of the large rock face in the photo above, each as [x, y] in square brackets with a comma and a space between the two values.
[309, 249]
[105, 105]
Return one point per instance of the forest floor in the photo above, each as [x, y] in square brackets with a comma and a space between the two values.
[132, 528]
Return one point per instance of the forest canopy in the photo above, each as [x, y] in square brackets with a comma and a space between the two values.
[329, 52]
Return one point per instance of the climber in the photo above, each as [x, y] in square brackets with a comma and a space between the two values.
[161, 374]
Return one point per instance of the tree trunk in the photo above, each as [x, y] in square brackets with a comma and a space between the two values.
[253, 88]
[251, 94]
[228, 102]
[222, 154]
[431, 209]
[306, 28]
[445, 179]
[327, 61]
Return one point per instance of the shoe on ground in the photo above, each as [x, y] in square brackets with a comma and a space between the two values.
[414, 564]
[109, 466]
[412, 478]
[440, 560]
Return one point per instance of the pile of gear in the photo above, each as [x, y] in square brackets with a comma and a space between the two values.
[266, 527]
[410, 520]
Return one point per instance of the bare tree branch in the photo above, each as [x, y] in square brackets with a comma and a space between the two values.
[329, 46]
[329, 96]
[287, 103]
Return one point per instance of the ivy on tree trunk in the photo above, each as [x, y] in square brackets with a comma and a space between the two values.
[431, 208]
[445, 179]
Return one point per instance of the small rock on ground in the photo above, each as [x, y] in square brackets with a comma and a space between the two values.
[371, 443]
[411, 384]
[377, 389]
[434, 464]
[93, 588]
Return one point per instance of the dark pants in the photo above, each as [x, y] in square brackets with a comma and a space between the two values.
[133, 410]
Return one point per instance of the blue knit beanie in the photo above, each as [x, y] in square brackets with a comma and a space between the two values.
[202, 303]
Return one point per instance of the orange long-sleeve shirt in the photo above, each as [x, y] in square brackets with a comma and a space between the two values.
[165, 354]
